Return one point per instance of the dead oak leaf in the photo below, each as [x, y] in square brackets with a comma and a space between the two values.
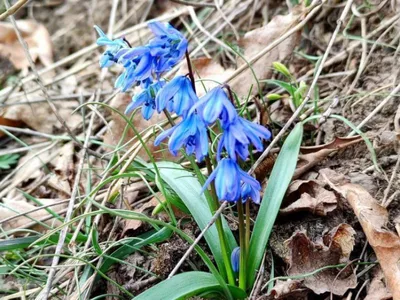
[377, 289]
[311, 196]
[307, 256]
[288, 289]
[255, 41]
[373, 219]
[35, 35]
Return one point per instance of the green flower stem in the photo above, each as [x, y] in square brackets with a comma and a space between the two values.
[247, 225]
[220, 229]
[214, 205]
[242, 241]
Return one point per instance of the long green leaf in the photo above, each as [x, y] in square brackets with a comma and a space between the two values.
[185, 285]
[188, 188]
[278, 183]
[132, 246]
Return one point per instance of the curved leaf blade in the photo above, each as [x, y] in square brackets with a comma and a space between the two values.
[278, 183]
[188, 188]
[185, 285]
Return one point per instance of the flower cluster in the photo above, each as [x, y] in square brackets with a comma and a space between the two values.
[144, 65]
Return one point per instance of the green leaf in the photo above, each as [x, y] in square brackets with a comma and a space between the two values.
[185, 285]
[6, 161]
[278, 183]
[188, 188]
[282, 84]
[132, 246]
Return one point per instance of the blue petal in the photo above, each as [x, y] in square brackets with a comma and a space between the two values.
[235, 259]
[147, 111]
[163, 136]
[169, 91]
[157, 28]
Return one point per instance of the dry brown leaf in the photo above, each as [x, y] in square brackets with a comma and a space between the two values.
[35, 35]
[208, 69]
[133, 225]
[256, 40]
[377, 289]
[13, 208]
[373, 219]
[315, 154]
[307, 256]
[289, 289]
[311, 196]
[63, 176]
[40, 117]
[118, 124]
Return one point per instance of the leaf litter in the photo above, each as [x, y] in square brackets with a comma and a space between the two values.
[321, 214]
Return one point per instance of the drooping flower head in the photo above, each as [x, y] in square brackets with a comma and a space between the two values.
[229, 179]
[168, 46]
[251, 191]
[238, 135]
[177, 96]
[216, 104]
[113, 46]
[138, 66]
[191, 133]
[146, 98]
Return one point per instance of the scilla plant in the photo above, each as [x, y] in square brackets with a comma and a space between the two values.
[233, 272]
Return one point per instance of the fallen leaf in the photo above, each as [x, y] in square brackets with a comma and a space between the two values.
[373, 219]
[208, 69]
[377, 289]
[309, 195]
[132, 225]
[256, 40]
[12, 208]
[313, 155]
[288, 289]
[35, 35]
[63, 176]
[40, 117]
[307, 256]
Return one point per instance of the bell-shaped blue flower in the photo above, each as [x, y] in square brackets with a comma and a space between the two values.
[168, 47]
[177, 96]
[216, 104]
[113, 46]
[228, 180]
[191, 133]
[138, 66]
[238, 135]
[235, 259]
[146, 99]
[251, 191]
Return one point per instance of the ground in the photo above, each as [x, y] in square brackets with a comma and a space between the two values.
[319, 224]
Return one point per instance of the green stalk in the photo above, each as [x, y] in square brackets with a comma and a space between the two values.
[220, 229]
[247, 225]
[242, 242]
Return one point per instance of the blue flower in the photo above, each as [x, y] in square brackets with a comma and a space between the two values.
[138, 66]
[168, 46]
[216, 104]
[251, 191]
[177, 96]
[191, 133]
[238, 135]
[147, 99]
[235, 259]
[228, 180]
[113, 46]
